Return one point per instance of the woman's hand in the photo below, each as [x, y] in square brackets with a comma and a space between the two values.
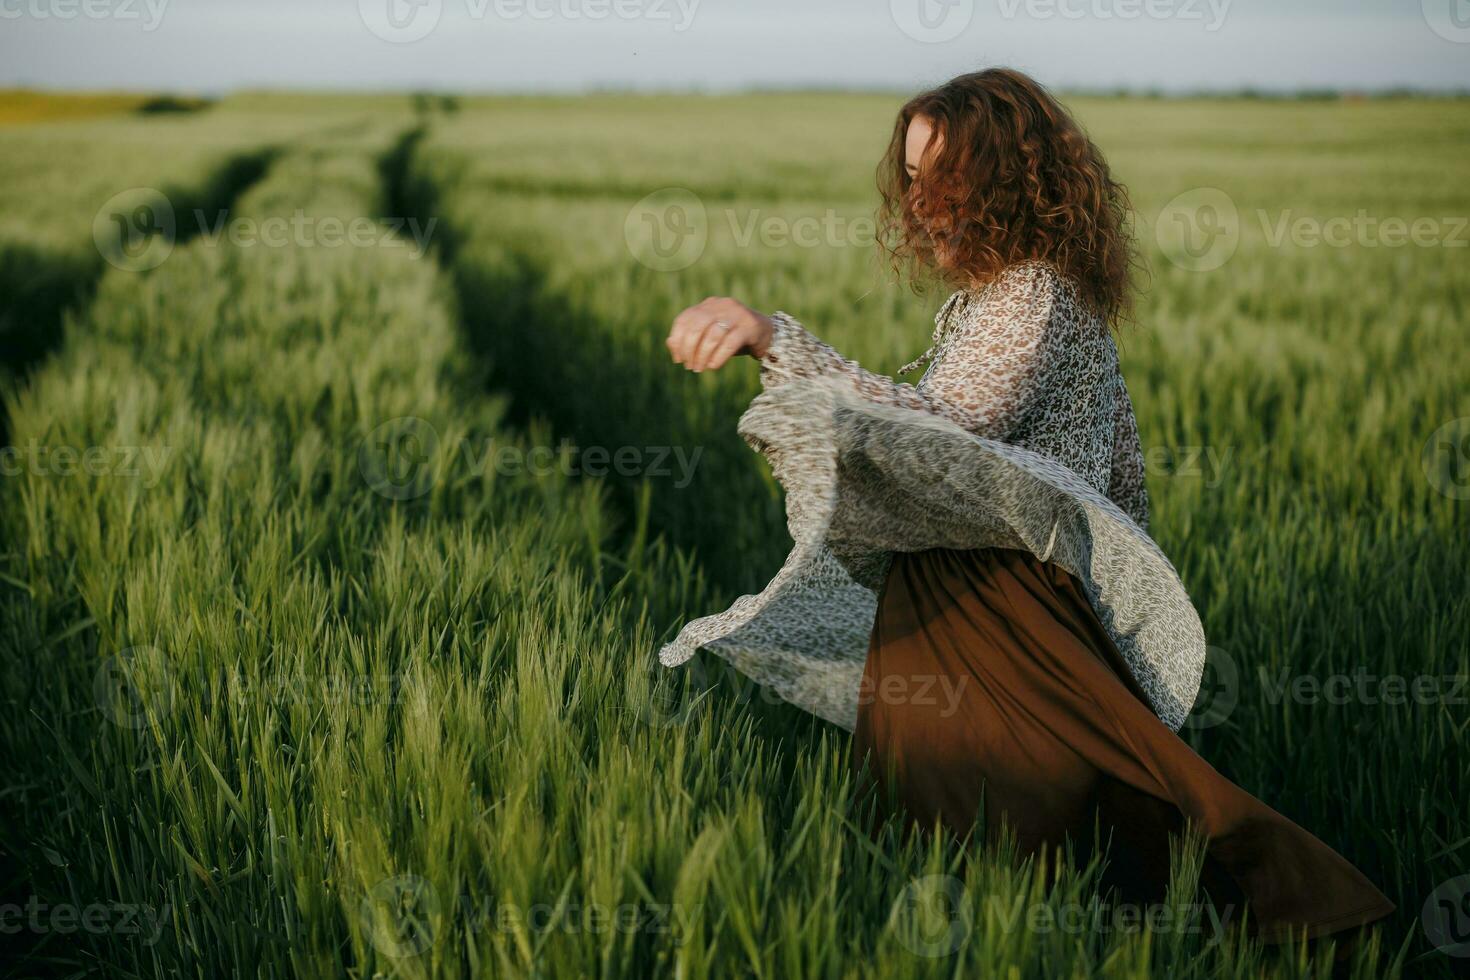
[704, 337]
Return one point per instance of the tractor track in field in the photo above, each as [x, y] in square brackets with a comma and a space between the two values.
[560, 363]
[41, 287]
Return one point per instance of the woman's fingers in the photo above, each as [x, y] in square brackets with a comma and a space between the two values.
[691, 326]
[732, 344]
[704, 337]
[692, 336]
[679, 336]
[714, 334]
[688, 326]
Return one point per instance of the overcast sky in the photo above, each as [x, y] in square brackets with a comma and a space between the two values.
[540, 45]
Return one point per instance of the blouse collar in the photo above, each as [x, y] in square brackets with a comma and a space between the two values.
[941, 327]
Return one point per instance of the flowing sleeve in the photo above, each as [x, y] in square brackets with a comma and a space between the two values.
[1126, 486]
[992, 366]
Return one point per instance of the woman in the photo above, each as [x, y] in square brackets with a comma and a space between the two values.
[981, 535]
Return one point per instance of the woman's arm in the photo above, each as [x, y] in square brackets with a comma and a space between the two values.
[991, 368]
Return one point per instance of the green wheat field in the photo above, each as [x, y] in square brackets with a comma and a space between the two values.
[349, 491]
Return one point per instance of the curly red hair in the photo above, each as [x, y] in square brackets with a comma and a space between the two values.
[1013, 178]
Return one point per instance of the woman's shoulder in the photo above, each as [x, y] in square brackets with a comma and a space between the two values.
[1038, 276]
[1030, 303]
[1030, 282]
[1038, 282]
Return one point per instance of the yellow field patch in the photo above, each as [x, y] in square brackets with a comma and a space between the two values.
[19, 106]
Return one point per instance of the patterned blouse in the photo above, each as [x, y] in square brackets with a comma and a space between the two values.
[1023, 361]
[1020, 434]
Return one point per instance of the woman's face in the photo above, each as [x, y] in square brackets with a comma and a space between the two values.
[919, 153]
[921, 128]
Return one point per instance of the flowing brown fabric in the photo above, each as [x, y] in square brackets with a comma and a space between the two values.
[990, 681]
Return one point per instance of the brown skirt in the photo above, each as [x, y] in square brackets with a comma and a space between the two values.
[993, 694]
